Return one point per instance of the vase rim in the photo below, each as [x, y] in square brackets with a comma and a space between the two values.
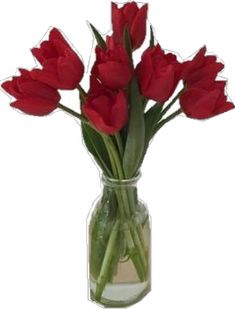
[108, 181]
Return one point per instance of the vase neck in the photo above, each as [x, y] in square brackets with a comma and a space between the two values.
[120, 183]
[123, 192]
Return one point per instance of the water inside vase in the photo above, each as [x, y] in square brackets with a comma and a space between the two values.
[122, 294]
[124, 287]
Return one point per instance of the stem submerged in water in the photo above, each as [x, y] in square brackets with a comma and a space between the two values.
[132, 230]
[104, 272]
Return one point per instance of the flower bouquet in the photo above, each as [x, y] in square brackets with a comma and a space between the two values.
[127, 103]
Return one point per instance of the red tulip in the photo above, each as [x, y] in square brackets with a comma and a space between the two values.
[202, 103]
[202, 70]
[158, 74]
[133, 18]
[110, 42]
[32, 97]
[106, 110]
[113, 67]
[62, 68]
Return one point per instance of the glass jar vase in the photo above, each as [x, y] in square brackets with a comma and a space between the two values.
[119, 245]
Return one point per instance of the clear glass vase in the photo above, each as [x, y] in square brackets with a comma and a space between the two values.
[119, 245]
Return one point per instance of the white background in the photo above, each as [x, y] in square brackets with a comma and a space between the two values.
[48, 181]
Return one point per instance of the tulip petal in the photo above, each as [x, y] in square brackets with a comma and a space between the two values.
[70, 71]
[50, 65]
[161, 88]
[95, 86]
[199, 103]
[60, 47]
[48, 78]
[120, 77]
[25, 74]
[39, 89]
[35, 106]
[205, 76]
[138, 29]
[129, 11]
[118, 22]
[225, 107]
[37, 53]
[97, 120]
[119, 112]
[144, 71]
[44, 52]
[11, 87]
[102, 105]
[55, 35]
[192, 65]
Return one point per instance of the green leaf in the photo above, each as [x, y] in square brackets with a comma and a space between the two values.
[151, 117]
[123, 134]
[127, 42]
[82, 95]
[152, 39]
[100, 41]
[96, 147]
[136, 133]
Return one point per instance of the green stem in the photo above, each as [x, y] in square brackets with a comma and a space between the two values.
[104, 272]
[152, 39]
[118, 139]
[131, 196]
[113, 153]
[81, 90]
[72, 112]
[82, 94]
[126, 200]
[131, 233]
[112, 161]
[132, 238]
[167, 119]
[145, 102]
[128, 43]
[125, 206]
[170, 117]
[166, 109]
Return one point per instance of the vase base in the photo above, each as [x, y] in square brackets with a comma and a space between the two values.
[121, 295]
